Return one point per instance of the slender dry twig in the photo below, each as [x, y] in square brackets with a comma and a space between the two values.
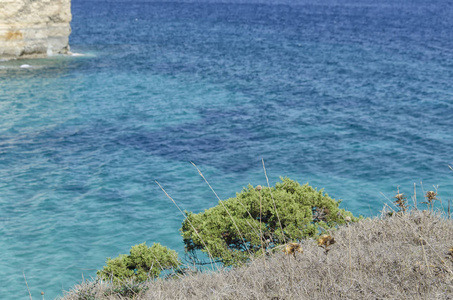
[424, 257]
[221, 202]
[349, 252]
[211, 258]
[449, 200]
[261, 217]
[27, 285]
[449, 215]
[273, 201]
[386, 205]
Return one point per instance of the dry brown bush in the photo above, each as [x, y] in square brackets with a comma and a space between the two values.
[405, 256]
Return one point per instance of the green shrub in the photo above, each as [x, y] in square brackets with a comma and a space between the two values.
[142, 263]
[300, 212]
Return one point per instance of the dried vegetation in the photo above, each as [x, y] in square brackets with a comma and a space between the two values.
[408, 255]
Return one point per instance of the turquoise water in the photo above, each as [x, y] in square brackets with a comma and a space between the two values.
[353, 97]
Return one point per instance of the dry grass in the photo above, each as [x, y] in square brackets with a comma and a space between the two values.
[406, 256]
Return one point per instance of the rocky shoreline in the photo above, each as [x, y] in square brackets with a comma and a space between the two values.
[37, 28]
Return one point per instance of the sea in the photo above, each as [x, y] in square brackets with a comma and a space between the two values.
[351, 96]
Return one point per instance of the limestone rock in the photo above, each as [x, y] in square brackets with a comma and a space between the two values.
[34, 28]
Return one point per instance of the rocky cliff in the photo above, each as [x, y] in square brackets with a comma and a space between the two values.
[34, 28]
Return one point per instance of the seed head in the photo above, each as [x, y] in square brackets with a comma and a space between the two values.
[292, 248]
[400, 196]
[401, 201]
[431, 196]
[259, 188]
[325, 241]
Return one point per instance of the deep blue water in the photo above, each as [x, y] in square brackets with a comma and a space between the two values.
[355, 97]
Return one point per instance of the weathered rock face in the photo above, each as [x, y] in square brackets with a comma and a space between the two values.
[34, 28]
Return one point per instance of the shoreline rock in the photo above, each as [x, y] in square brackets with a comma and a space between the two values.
[34, 28]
